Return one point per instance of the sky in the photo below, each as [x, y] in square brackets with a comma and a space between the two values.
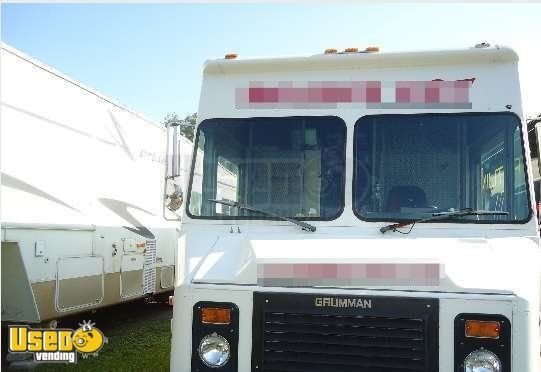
[149, 57]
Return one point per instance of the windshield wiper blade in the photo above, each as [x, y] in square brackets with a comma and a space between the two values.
[470, 212]
[443, 215]
[305, 226]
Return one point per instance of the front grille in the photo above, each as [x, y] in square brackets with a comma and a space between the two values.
[291, 333]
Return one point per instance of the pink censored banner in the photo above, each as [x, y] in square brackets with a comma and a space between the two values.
[329, 94]
[300, 275]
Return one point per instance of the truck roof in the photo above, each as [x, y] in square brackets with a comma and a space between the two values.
[365, 60]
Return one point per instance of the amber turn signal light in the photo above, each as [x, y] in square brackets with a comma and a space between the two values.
[482, 329]
[212, 315]
[372, 49]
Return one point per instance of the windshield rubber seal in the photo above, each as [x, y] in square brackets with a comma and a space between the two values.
[445, 220]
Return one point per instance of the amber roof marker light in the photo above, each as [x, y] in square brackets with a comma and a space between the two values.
[331, 51]
[351, 50]
[372, 49]
[231, 56]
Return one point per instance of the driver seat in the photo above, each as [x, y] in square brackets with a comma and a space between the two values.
[405, 196]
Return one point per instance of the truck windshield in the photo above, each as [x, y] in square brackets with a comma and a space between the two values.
[291, 167]
[411, 166]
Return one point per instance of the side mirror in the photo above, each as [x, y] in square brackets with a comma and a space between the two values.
[177, 156]
[173, 152]
[173, 195]
[175, 199]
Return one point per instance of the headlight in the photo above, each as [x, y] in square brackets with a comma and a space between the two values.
[214, 350]
[482, 361]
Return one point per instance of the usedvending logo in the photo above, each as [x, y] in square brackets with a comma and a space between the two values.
[361, 303]
[51, 345]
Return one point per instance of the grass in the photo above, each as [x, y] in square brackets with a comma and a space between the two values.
[139, 339]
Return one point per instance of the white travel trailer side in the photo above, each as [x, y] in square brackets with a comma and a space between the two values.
[83, 179]
[382, 218]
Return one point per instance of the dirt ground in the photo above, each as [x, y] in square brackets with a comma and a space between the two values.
[138, 336]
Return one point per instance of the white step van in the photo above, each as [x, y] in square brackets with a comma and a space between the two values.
[360, 211]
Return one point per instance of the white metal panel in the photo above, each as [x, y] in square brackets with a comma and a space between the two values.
[80, 282]
[131, 262]
[74, 267]
[167, 279]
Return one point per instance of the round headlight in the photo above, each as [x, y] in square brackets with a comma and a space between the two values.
[214, 350]
[482, 361]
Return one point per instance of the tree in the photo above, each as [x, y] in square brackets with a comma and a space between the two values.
[187, 127]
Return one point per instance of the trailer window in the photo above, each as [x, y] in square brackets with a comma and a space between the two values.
[292, 166]
[410, 166]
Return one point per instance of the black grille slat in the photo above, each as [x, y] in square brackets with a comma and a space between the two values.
[345, 330]
[304, 367]
[371, 321]
[350, 340]
[292, 334]
[341, 360]
[343, 350]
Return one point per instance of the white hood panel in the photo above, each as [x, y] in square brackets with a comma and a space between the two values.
[500, 265]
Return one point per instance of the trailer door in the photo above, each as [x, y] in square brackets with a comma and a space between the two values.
[131, 268]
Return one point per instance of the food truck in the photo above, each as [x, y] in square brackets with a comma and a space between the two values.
[379, 216]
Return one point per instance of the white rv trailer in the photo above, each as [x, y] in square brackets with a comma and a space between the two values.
[316, 265]
[83, 218]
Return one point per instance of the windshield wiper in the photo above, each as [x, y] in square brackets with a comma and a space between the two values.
[443, 216]
[305, 226]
